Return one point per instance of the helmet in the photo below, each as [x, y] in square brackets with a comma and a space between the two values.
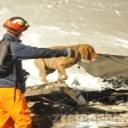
[16, 25]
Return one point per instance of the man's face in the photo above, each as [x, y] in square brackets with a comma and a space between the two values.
[16, 34]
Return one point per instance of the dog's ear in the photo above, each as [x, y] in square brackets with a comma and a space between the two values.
[91, 53]
[82, 49]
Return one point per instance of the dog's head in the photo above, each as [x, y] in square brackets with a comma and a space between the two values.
[87, 53]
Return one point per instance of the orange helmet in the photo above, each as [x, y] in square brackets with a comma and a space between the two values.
[16, 25]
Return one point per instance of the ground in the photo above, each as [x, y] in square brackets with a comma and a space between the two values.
[61, 107]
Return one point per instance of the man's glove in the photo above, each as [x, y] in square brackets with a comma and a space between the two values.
[71, 53]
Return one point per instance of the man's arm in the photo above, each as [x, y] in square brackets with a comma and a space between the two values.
[21, 51]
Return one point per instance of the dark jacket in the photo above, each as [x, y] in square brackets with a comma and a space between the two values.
[20, 52]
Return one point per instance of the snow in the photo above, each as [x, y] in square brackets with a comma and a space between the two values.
[81, 80]
[77, 78]
[96, 124]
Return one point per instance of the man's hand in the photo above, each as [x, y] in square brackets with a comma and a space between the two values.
[72, 53]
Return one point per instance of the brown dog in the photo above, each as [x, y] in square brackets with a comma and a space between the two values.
[83, 52]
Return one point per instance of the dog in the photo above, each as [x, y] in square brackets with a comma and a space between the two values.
[83, 52]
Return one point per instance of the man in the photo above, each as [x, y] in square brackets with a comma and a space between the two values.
[14, 111]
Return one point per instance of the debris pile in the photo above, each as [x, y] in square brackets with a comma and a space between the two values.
[50, 104]
[118, 82]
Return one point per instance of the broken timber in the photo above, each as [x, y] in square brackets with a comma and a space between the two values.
[108, 96]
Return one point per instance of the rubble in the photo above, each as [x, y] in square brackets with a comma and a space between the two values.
[118, 82]
[58, 106]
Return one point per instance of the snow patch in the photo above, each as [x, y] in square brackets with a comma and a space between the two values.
[77, 78]
[82, 80]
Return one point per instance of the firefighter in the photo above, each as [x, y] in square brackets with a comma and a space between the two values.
[14, 111]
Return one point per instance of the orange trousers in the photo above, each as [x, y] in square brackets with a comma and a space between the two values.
[14, 111]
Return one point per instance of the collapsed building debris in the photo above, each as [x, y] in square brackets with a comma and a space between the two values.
[50, 103]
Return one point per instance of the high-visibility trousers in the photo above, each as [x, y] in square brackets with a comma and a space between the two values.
[14, 111]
